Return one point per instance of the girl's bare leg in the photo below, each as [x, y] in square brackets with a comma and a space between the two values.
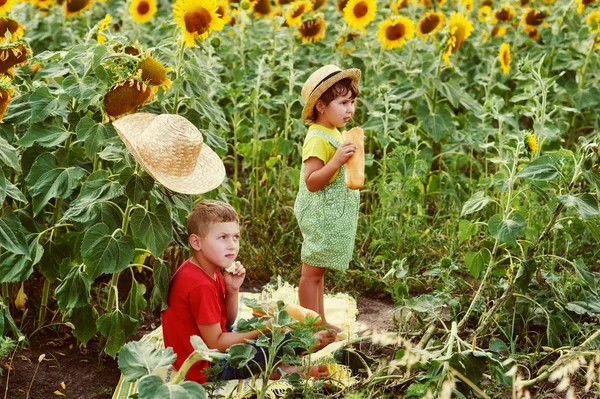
[311, 292]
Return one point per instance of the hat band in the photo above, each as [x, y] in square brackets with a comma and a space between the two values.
[326, 78]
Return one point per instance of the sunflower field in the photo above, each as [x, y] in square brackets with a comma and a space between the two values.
[479, 215]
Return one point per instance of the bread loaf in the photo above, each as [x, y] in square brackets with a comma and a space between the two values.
[355, 166]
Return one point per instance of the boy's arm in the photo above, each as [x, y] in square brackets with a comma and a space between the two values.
[215, 338]
[231, 304]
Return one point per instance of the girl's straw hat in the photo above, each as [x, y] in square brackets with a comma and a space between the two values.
[321, 80]
[170, 148]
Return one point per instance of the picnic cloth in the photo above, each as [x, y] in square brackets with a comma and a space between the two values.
[341, 310]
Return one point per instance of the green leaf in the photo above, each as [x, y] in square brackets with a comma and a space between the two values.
[138, 186]
[593, 228]
[51, 260]
[507, 230]
[47, 180]
[525, 274]
[476, 203]
[97, 188]
[43, 104]
[74, 291]
[93, 134]
[153, 387]
[477, 261]
[115, 326]
[160, 293]
[590, 307]
[104, 253]
[240, 355]
[556, 327]
[541, 169]
[44, 135]
[140, 358]
[593, 177]
[8, 155]
[84, 319]
[153, 229]
[439, 124]
[17, 267]
[206, 353]
[135, 302]
[497, 345]
[3, 182]
[585, 204]
[466, 230]
[584, 275]
[14, 192]
[12, 235]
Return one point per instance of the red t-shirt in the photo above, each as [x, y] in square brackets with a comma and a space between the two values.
[194, 298]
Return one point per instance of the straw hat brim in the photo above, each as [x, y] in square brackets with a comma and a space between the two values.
[208, 173]
[352, 73]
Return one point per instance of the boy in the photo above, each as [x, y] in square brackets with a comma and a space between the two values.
[204, 302]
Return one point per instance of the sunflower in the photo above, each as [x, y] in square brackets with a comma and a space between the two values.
[12, 26]
[360, 13]
[523, 3]
[154, 72]
[430, 23]
[341, 4]
[505, 14]
[44, 5]
[532, 144]
[533, 17]
[317, 4]
[312, 30]
[429, 3]
[593, 21]
[103, 25]
[197, 18]
[498, 31]
[346, 38]
[282, 3]
[6, 93]
[6, 6]
[142, 11]
[398, 4]
[460, 29]
[223, 10]
[581, 5]
[484, 14]
[467, 4]
[262, 8]
[504, 57]
[76, 7]
[393, 32]
[294, 14]
[126, 96]
[532, 32]
[12, 55]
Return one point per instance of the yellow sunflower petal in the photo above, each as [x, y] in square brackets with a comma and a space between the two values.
[359, 13]
[312, 30]
[393, 32]
[504, 57]
[295, 12]
[197, 19]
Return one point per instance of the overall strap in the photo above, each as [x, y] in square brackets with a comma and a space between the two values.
[320, 133]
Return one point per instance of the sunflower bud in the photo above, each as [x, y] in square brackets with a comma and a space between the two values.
[215, 42]
[532, 144]
[245, 4]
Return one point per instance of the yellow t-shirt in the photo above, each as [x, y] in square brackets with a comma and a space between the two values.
[317, 146]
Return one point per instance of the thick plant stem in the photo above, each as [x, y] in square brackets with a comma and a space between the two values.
[115, 278]
[189, 362]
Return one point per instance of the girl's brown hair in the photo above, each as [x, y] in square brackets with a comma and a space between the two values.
[338, 89]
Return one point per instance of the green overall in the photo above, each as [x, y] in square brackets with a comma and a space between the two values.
[327, 218]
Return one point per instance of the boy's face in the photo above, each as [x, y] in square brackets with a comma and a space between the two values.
[220, 246]
[338, 112]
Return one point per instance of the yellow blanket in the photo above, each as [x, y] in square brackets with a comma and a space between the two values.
[340, 309]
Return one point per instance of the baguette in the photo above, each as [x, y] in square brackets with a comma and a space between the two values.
[355, 166]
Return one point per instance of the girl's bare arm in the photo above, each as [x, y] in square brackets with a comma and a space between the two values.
[317, 174]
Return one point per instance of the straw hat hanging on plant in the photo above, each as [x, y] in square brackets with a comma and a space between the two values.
[171, 149]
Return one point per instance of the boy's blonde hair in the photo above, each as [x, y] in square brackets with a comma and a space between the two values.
[207, 212]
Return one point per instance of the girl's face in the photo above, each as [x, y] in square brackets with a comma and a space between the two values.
[337, 113]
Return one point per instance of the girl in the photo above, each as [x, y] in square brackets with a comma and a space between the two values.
[327, 211]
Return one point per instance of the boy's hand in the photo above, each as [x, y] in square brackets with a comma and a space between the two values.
[234, 277]
[324, 338]
[343, 153]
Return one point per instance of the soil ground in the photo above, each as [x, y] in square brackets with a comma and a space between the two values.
[87, 375]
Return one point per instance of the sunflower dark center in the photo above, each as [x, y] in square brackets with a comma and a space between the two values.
[361, 9]
[198, 21]
[523, 3]
[76, 5]
[429, 24]
[143, 8]
[3, 2]
[395, 32]
[299, 11]
[506, 57]
[284, 2]
[221, 11]
[8, 25]
[310, 28]
[503, 15]
[586, 2]
[488, 3]
[534, 17]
